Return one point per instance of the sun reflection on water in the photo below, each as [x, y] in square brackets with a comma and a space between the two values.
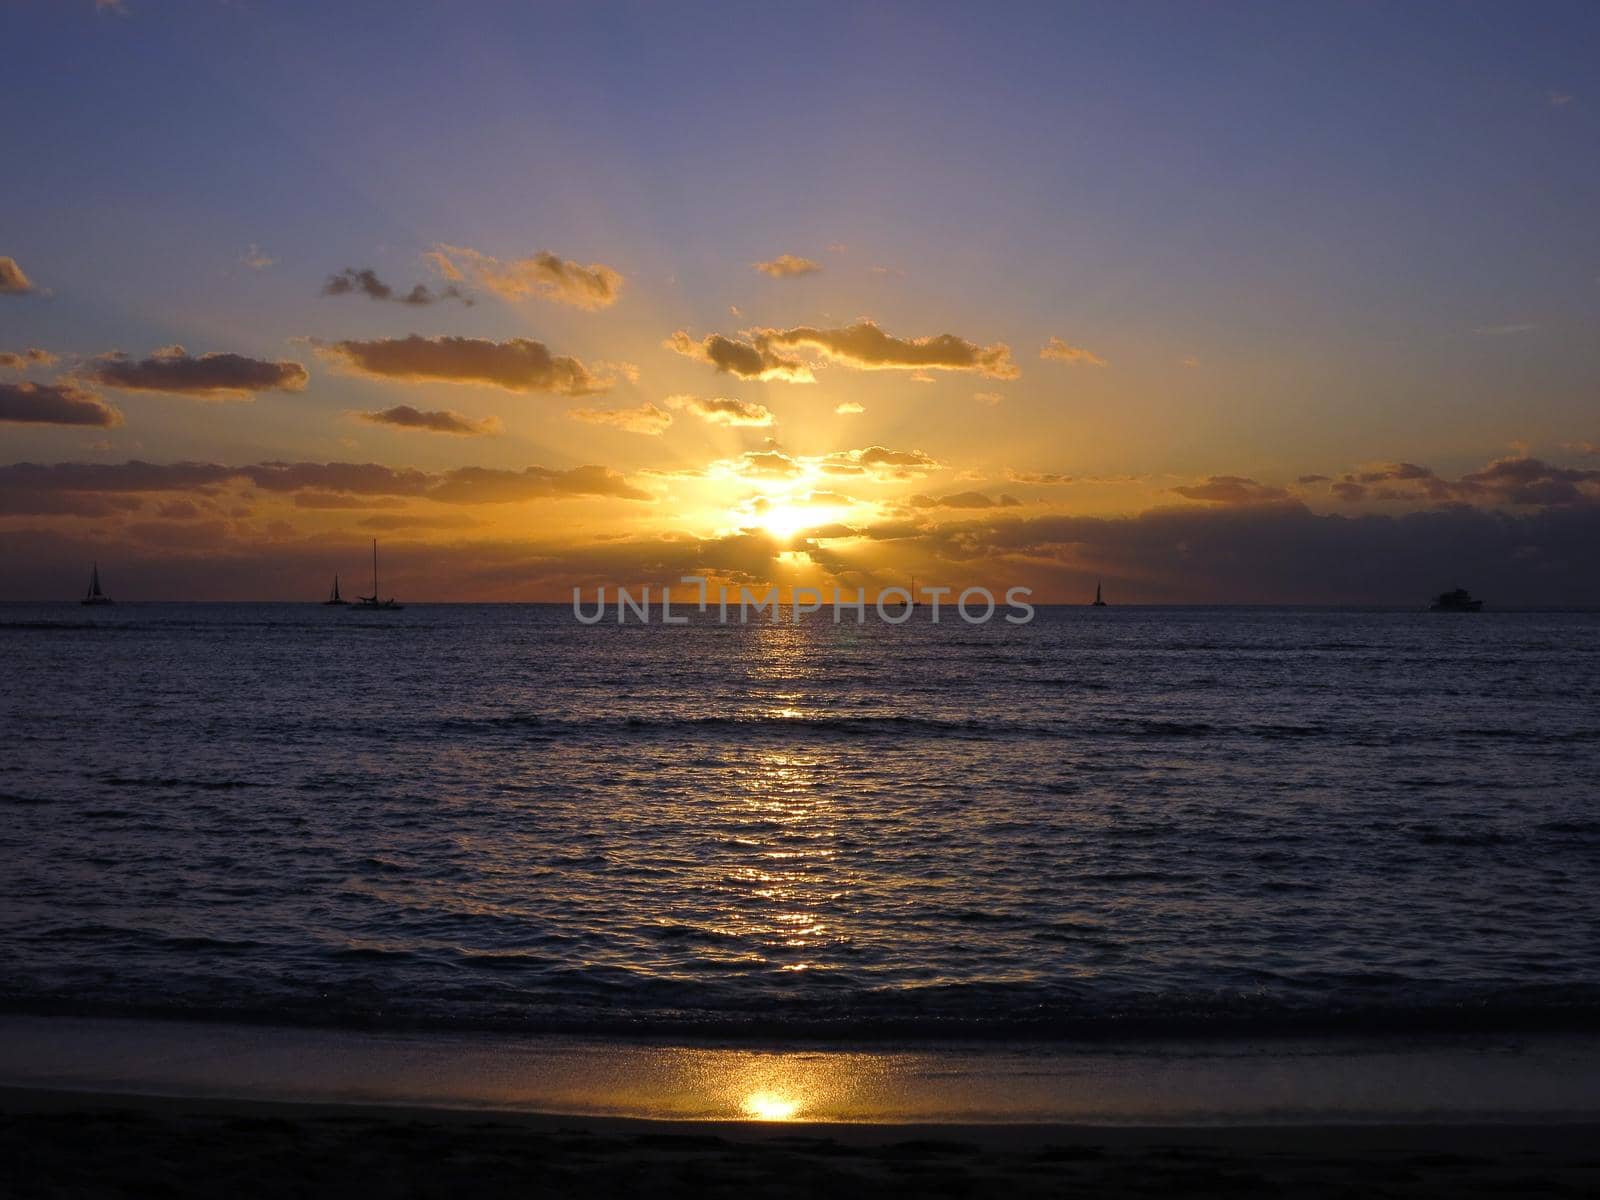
[770, 1106]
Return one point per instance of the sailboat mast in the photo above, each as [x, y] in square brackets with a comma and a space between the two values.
[374, 568]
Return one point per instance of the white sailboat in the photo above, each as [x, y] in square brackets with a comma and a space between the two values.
[372, 601]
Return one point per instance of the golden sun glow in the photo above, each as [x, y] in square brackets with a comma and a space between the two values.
[770, 1106]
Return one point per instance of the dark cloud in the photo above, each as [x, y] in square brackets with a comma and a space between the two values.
[1039, 477]
[393, 521]
[365, 282]
[1307, 479]
[13, 282]
[209, 376]
[55, 404]
[517, 365]
[403, 416]
[880, 461]
[965, 500]
[320, 485]
[743, 359]
[1232, 489]
[487, 485]
[1516, 480]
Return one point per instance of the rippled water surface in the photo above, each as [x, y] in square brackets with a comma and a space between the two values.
[1149, 819]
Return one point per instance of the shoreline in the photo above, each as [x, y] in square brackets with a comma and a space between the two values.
[85, 1143]
[1444, 1079]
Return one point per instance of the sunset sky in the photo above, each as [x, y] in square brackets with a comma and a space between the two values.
[1214, 303]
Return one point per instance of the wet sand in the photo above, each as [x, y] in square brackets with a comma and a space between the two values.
[59, 1144]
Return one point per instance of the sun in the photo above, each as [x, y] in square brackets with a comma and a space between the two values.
[783, 520]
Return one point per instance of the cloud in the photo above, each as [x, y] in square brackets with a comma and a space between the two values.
[1305, 479]
[743, 359]
[787, 266]
[987, 399]
[867, 347]
[21, 360]
[487, 485]
[1503, 330]
[351, 281]
[403, 416]
[1516, 480]
[1232, 489]
[517, 365]
[1531, 481]
[256, 259]
[418, 521]
[55, 404]
[771, 463]
[848, 408]
[1060, 351]
[965, 500]
[13, 282]
[210, 376]
[646, 419]
[1039, 477]
[1188, 360]
[320, 483]
[879, 461]
[1558, 99]
[724, 411]
[543, 274]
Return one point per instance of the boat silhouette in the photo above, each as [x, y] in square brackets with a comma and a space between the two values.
[1099, 601]
[335, 598]
[1459, 600]
[95, 595]
[372, 601]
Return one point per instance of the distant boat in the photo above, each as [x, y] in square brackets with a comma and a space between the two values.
[335, 598]
[1099, 601]
[95, 595]
[372, 601]
[1459, 600]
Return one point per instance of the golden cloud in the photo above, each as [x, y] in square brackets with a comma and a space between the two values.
[787, 266]
[21, 360]
[868, 348]
[646, 419]
[591, 287]
[1060, 351]
[13, 282]
[722, 410]
[403, 416]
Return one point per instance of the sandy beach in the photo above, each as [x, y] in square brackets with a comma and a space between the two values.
[55, 1144]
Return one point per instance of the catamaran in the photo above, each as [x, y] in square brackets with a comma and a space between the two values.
[372, 601]
[95, 595]
[335, 598]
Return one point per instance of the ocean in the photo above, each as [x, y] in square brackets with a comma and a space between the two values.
[1151, 821]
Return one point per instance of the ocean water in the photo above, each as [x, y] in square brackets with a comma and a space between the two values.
[1161, 821]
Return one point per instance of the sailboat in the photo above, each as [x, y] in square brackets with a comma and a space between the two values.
[1099, 600]
[335, 598]
[95, 595]
[372, 601]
